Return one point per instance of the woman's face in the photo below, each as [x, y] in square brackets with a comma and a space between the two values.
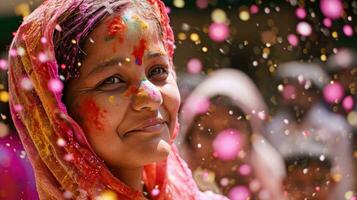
[126, 98]
[295, 94]
[316, 184]
[205, 131]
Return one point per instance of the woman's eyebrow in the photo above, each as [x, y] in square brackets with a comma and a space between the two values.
[106, 64]
[154, 54]
[117, 60]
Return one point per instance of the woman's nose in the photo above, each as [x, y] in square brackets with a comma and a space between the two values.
[147, 96]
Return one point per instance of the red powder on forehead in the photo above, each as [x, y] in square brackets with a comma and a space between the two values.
[138, 51]
[117, 27]
[92, 112]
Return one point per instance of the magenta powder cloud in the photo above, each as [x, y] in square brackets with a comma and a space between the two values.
[227, 144]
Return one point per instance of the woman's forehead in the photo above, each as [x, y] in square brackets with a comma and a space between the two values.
[125, 30]
[126, 22]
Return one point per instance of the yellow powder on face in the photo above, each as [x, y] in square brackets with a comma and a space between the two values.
[111, 99]
[142, 24]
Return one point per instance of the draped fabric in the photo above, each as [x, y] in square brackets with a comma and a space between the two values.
[65, 165]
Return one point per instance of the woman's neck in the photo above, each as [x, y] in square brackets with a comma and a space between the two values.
[131, 177]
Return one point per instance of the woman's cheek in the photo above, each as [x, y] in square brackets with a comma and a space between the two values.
[91, 114]
[172, 102]
[172, 94]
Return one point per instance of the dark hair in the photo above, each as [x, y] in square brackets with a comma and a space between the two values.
[218, 100]
[303, 161]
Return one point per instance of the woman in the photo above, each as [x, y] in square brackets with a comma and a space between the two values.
[109, 131]
[221, 138]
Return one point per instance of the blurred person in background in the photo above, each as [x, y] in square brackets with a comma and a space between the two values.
[222, 140]
[309, 168]
[341, 94]
[303, 111]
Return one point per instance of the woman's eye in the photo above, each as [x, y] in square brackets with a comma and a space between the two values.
[159, 72]
[112, 80]
[110, 83]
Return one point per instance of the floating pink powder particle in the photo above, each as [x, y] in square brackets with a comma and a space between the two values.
[218, 32]
[168, 10]
[254, 9]
[18, 107]
[26, 84]
[194, 66]
[155, 192]
[197, 105]
[348, 103]
[3, 64]
[327, 22]
[245, 170]
[293, 39]
[348, 30]
[239, 193]
[227, 144]
[331, 8]
[68, 157]
[304, 28]
[300, 13]
[42, 57]
[13, 52]
[43, 40]
[333, 92]
[224, 181]
[55, 85]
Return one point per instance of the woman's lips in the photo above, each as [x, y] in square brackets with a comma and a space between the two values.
[154, 125]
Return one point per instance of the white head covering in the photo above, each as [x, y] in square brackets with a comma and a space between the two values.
[297, 144]
[343, 59]
[233, 84]
[306, 71]
[236, 85]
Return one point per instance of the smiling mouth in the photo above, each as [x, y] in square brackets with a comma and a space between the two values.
[152, 126]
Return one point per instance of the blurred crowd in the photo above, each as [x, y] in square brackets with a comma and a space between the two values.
[236, 146]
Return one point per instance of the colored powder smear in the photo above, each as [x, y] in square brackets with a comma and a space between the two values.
[148, 89]
[131, 90]
[111, 99]
[142, 24]
[117, 27]
[92, 112]
[138, 51]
